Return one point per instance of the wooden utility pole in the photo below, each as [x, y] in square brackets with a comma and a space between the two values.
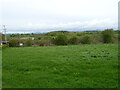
[4, 30]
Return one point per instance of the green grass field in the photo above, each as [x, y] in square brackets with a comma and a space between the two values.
[0, 68]
[76, 66]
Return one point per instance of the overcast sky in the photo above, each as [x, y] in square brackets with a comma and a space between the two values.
[50, 15]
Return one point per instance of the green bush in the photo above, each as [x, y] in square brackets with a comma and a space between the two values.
[60, 40]
[39, 38]
[107, 36]
[73, 40]
[96, 39]
[4, 46]
[42, 42]
[28, 42]
[86, 40]
[13, 43]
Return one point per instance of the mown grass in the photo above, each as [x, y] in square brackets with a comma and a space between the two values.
[0, 67]
[76, 66]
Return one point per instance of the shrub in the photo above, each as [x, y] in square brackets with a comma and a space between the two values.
[95, 39]
[43, 42]
[28, 42]
[13, 43]
[86, 40]
[107, 36]
[73, 40]
[4, 46]
[39, 38]
[60, 40]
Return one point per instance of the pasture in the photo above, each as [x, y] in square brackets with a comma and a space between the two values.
[0, 68]
[72, 66]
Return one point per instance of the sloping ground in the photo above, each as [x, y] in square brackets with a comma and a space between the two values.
[77, 66]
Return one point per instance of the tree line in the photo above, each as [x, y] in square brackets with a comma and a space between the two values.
[65, 38]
